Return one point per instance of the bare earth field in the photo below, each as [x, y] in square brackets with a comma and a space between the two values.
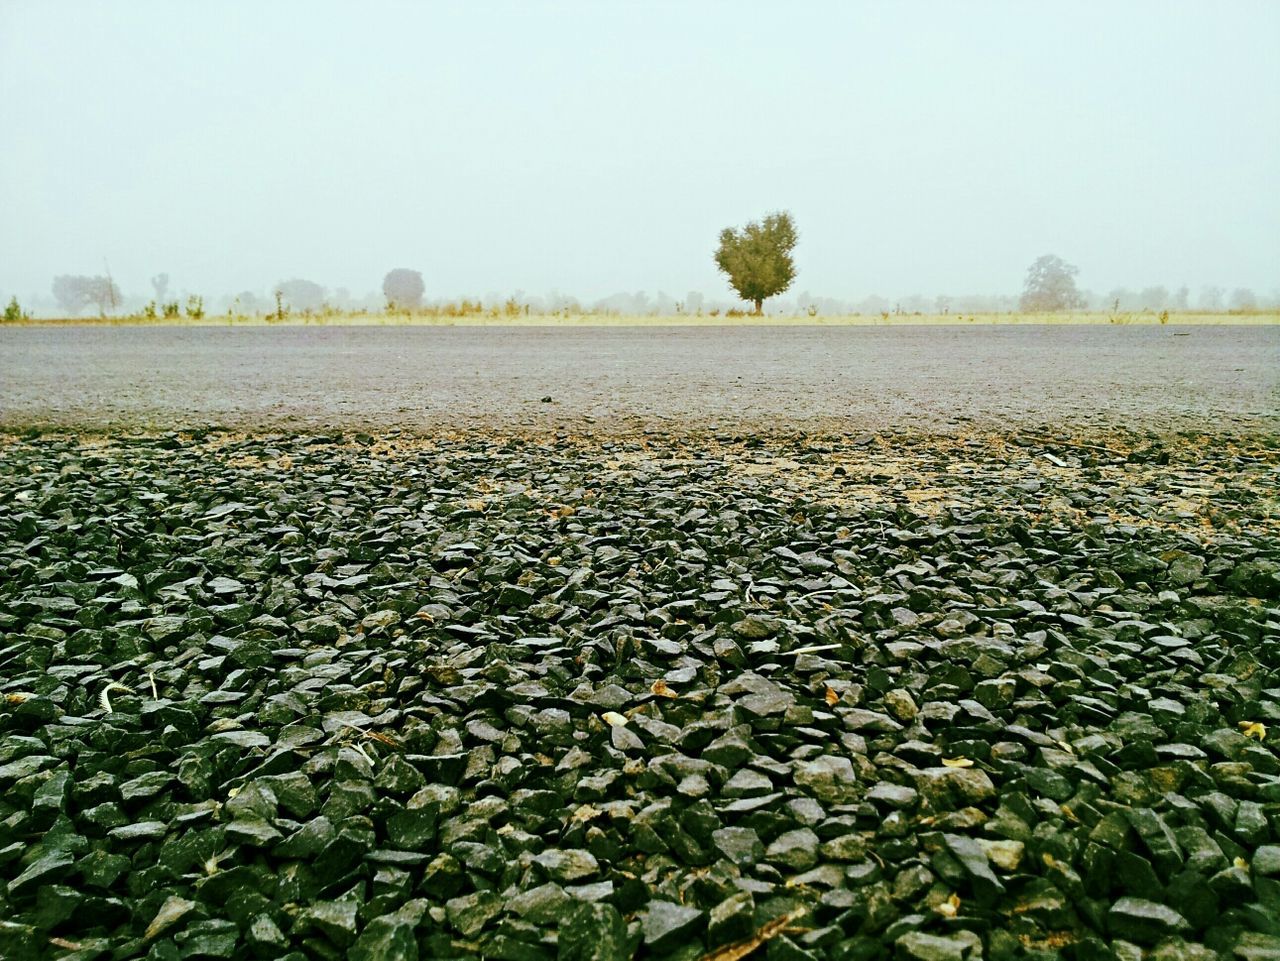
[804, 644]
[929, 378]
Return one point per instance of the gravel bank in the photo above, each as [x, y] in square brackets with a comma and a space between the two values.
[999, 696]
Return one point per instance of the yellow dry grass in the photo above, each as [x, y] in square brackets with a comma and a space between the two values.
[425, 319]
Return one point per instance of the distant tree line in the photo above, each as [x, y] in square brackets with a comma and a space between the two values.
[1051, 285]
[756, 259]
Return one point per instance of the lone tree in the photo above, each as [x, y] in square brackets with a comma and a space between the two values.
[300, 294]
[1051, 285]
[1242, 298]
[757, 258]
[74, 292]
[403, 289]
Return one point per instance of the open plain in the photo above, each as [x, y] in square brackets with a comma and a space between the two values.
[928, 643]
[426, 378]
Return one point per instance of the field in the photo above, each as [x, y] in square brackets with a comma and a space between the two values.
[923, 642]
[496, 317]
[753, 378]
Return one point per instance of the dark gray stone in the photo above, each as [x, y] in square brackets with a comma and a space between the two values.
[593, 931]
[667, 925]
[1144, 922]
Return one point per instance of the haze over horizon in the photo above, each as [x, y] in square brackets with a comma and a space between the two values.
[589, 148]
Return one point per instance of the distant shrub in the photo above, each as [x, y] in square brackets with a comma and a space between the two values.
[1051, 285]
[171, 310]
[464, 308]
[302, 295]
[195, 307]
[74, 292]
[403, 289]
[14, 313]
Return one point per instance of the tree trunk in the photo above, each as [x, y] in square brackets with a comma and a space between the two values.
[759, 306]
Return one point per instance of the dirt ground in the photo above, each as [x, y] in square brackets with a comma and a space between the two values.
[937, 379]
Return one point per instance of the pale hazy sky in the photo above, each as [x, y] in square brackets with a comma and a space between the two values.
[593, 147]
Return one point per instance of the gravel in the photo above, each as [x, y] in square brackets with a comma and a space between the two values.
[999, 695]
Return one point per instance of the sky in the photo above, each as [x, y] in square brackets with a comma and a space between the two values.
[592, 147]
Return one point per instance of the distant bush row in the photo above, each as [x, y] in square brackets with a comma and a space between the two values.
[1050, 285]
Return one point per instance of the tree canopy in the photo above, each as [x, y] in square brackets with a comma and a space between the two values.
[757, 258]
[301, 294]
[1051, 285]
[74, 292]
[403, 288]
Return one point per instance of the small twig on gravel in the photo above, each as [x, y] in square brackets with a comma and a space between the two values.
[825, 590]
[373, 735]
[740, 949]
[104, 698]
[814, 649]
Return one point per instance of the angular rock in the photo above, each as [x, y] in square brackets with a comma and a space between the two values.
[1144, 922]
[667, 925]
[593, 931]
